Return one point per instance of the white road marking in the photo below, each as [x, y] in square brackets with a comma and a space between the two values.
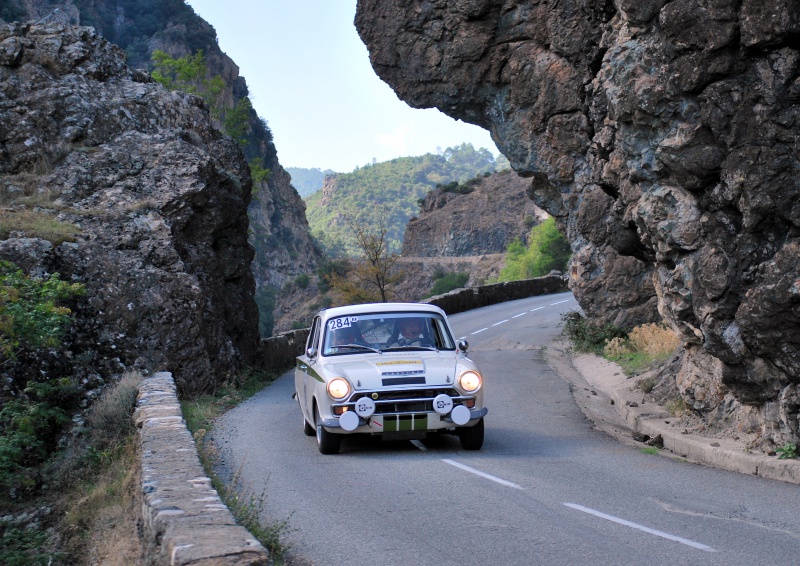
[499, 323]
[661, 534]
[537, 309]
[419, 445]
[519, 315]
[481, 474]
[559, 302]
[479, 331]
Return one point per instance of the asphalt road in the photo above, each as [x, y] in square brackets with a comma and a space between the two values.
[547, 487]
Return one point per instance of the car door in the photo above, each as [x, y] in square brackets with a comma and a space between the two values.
[302, 386]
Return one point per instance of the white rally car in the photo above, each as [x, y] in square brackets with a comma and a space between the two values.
[389, 369]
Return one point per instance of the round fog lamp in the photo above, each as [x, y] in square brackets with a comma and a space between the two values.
[349, 421]
[365, 407]
[442, 404]
[460, 415]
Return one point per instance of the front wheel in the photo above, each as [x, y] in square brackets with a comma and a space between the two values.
[328, 443]
[308, 430]
[471, 437]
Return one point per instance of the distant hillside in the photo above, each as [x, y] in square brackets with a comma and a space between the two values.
[466, 232]
[308, 181]
[393, 188]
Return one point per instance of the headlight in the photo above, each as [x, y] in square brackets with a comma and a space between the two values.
[338, 388]
[470, 381]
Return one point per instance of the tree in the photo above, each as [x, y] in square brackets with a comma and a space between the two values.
[371, 277]
[190, 74]
[547, 250]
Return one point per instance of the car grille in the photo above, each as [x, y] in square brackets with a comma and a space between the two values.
[405, 401]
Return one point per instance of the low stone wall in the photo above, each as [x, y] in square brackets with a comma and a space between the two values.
[278, 352]
[462, 300]
[184, 520]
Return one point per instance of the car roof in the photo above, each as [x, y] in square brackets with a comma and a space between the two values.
[375, 308]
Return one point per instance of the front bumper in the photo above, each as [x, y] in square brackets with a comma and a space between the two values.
[395, 422]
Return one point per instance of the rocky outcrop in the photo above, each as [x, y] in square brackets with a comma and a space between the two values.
[666, 132]
[484, 218]
[279, 229]
[158, 197]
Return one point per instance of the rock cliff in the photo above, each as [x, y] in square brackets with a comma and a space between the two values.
[279, 229]
[664, 136]
[158, 197]
[482, 221]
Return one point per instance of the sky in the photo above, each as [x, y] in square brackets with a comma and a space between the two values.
[310, 78]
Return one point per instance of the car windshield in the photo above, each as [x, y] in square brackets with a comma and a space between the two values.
[384, 332]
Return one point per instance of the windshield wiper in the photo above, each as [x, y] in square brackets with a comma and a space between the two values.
[432, 349]
[360, 346]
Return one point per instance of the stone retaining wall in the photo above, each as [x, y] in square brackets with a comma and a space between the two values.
[462, 300]
[278, 352]
[184, 520]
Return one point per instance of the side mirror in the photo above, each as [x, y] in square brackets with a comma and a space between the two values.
[311, 352]
[462, 345]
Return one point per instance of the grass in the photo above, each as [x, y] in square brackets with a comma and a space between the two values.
[104, 498]
[650, 450]
[36, 224]
[100, 522]
[93, 494]
[645, 346]
[677, 407]
[245, 505]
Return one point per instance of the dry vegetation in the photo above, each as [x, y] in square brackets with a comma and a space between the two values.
[101, 509]
[645, 346]
[27, 207]
[88, 515]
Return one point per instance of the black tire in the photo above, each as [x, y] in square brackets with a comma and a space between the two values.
[308, 430]
[471, 437]
[328, 443]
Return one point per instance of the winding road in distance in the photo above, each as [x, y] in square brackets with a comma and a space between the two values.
[547, 487]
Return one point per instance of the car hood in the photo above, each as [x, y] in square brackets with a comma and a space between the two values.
[397, 370]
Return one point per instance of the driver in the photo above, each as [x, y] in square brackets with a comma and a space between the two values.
[346, 335]
[411, 333]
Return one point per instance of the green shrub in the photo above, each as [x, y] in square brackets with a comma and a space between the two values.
[329, 270]
[29, 429]
[586, 336]
[22, 547]
[30, 316]
[787, 451]
[258, 173]
[447, 282]
[302, 281]
[547, 250]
